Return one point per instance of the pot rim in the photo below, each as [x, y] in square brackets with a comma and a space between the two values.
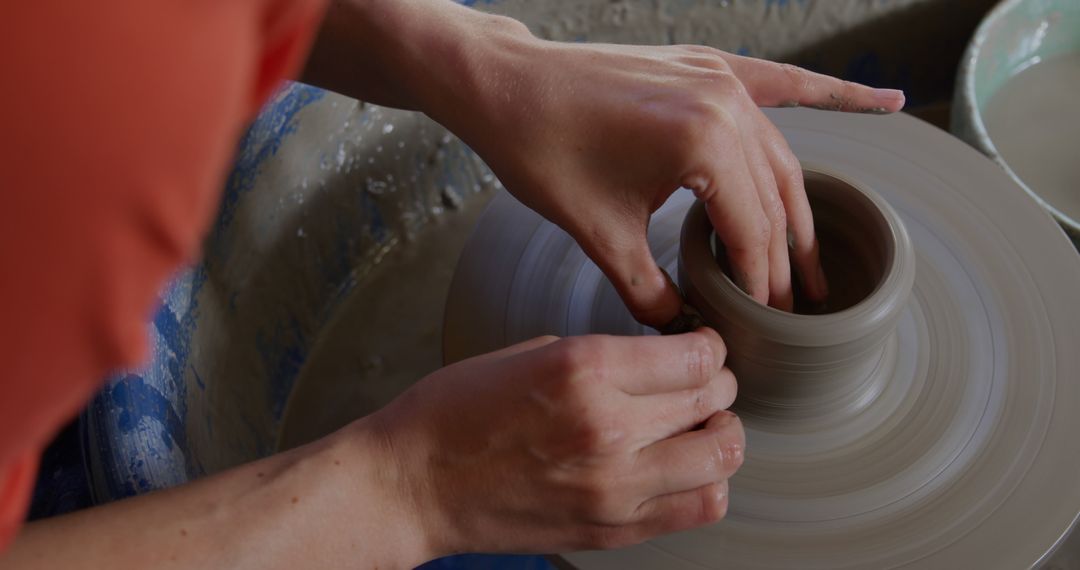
[877, 311]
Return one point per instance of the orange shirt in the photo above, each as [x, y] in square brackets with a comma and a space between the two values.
[119, 121]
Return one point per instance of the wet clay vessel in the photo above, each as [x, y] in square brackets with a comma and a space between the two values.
[835, 360]
[939, 431]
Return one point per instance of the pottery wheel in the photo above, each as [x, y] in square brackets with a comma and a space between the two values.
[968, 458]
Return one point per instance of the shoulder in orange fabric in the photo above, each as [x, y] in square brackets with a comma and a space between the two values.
[120, 118]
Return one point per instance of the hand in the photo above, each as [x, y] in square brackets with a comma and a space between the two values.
[556, 445]
[597, 137]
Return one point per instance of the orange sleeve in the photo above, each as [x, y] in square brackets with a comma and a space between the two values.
[119, 120]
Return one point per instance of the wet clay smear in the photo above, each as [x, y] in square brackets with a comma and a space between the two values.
[1034, 122]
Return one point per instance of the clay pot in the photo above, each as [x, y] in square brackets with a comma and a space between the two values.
[821, 360]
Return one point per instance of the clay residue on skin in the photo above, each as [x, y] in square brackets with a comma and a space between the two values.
[688, 320]
[839, 103]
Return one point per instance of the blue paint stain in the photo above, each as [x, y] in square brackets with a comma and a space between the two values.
[262, 141]
[137, 400]
[120, 409]
[168, 327]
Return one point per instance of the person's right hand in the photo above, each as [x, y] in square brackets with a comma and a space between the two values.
[555, 445]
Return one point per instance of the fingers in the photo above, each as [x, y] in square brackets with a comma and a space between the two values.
[783, 85]
[643, 364]
[693, 459]
[682, 511]
[661, 416]
[647, 291]
[738, 218]
[802, 240]
[780, 292]
[665, 364]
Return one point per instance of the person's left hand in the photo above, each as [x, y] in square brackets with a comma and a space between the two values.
[597, 137]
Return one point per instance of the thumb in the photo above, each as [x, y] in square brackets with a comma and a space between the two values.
[647, 290]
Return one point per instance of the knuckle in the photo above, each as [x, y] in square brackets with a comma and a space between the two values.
[507, 25]
[797, 77]
[724, 85]
[704, 404]
[717, 343]
[701, 50]
[733, 455]
[714, 503]
[714, 116]
[703, 188]
[573, 362]
[759, 234]
[777, 215]
[706, 61]
[705, 128]
[596, 435]
[729, 450]
[730, 387]
[640, 296]
[724, 452]
[721, 346]
[790, 167]
[701, 360]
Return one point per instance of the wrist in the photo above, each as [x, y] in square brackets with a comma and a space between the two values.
[382, 505]
[408, 54]
[463, 68]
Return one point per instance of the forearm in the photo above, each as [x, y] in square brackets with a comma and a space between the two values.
[424, 55]
[331, 504]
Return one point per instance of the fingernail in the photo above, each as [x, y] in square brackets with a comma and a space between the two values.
[725, 418]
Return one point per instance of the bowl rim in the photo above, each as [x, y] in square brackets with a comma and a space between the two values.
[982, 140]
